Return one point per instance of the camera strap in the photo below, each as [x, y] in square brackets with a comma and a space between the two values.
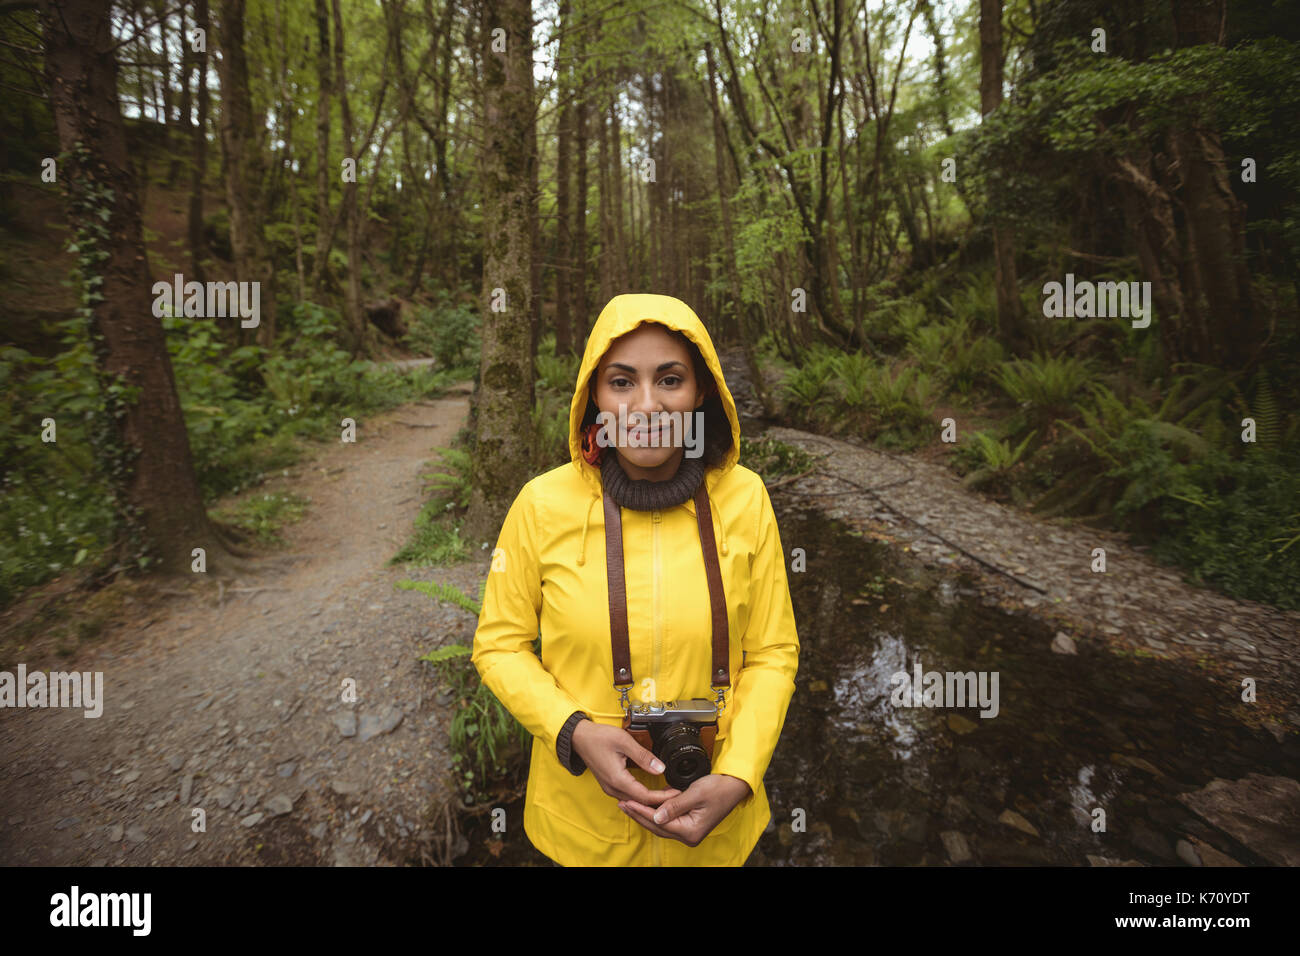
[721, 673]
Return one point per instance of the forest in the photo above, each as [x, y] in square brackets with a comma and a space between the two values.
[873, 200]
[1048, 246]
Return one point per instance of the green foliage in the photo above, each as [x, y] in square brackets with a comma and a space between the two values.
[264, 515]
[997, 459]
[949, 350]
[810, 388]
[853, 377]
[1264, 410]
[448, 332]
[1128, 453]
[1226, 533]
[1044, 386]
[487, 743]
[436, 539]
[556, 377]
[773, 459]
[435, 542]
[557, 373]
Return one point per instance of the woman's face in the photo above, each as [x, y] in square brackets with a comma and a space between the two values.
[648, 371]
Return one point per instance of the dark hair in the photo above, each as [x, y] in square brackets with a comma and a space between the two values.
[717, 427]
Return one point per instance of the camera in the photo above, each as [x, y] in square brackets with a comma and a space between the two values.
[678, 732]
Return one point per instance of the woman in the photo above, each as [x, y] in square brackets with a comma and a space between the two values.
[595, 795]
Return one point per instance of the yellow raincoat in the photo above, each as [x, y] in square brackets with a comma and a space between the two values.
[549, 573]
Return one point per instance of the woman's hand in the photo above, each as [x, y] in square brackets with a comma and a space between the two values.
[606, 750]
[690, 816]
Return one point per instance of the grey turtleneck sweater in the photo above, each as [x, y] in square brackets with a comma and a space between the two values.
[636, 494]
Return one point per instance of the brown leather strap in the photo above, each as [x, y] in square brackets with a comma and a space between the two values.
[617, 593]
[720, 676]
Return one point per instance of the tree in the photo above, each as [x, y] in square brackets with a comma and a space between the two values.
[503, 458]
[245, 162]
[151, 468]
[1004, 251]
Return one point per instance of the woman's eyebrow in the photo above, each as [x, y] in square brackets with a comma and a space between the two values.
[629, 368]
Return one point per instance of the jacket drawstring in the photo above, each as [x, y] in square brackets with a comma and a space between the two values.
[582, 553]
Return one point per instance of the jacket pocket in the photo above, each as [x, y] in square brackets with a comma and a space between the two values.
[578, 801]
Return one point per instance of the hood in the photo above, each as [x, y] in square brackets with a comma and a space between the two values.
[621, 315]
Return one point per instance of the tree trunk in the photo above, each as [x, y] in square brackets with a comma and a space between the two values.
[356, 320]
[324, 82]
[244, 163]
[581, 312]
[1004, 252]
[1219, 288]
[199, 148]
[503, 451]
[153, 474]
[563, 232]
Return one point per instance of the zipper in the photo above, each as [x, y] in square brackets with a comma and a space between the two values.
[658, 645]
[657, 660]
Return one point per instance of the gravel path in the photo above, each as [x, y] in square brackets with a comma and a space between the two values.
[229, 700]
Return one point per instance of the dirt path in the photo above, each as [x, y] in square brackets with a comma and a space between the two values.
[234, 708]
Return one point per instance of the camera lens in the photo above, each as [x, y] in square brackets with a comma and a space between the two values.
[685, 760]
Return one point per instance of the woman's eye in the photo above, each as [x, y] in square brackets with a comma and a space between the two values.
[672, 380]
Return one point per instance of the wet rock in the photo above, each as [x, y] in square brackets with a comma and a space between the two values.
[1138, 763]
[956, 808]
[131, 776]
[79, 776]
[1260, 812]
[279, 805]
[1094, 860]
[176, 762]
[252, 820]
[1187, 853]
[1063, 644]
[956, 845]
[1146, 839]
[287, 769]
[1209, 855]
[115, 833]
[961, 725]
[1013, 819]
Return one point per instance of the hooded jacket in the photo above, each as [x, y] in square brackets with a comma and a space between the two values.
[549, 575]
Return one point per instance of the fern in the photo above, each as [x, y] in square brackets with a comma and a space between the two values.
[445, 592]
[446, 653]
